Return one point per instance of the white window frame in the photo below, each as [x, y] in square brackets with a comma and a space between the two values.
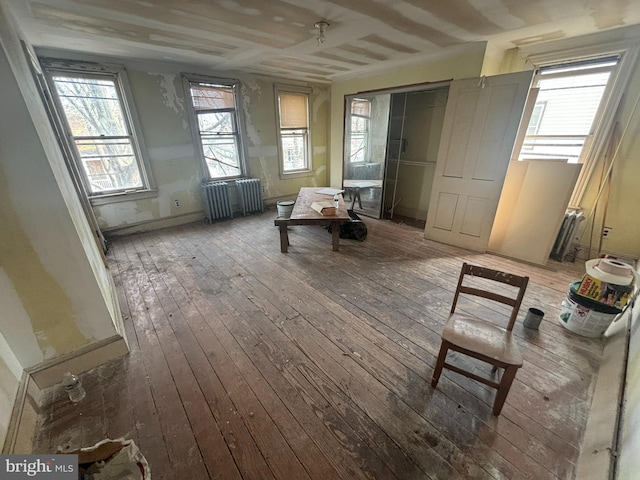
[308, 168]
[117, 73]
[367, 134]
[189, 79]
[605, 120]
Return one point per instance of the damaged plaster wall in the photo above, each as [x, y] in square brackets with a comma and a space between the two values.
[54, 288]
[161, 105]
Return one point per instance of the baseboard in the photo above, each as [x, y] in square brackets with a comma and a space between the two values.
[597, 452]
[50, 373]
[151, 225]
[16, 415]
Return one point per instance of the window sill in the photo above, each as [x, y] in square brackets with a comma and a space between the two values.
[122, 197]
[302, 173]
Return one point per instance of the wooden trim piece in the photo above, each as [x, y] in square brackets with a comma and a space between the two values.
[598, 453]
[49, 373]
[16, 415]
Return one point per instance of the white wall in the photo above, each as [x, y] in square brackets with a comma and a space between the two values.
[628, 465]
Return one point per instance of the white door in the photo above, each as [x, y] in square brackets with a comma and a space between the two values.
[480, 127]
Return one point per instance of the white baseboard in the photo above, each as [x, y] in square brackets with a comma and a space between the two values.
[151, 225]
[16, 415]
[599, 442]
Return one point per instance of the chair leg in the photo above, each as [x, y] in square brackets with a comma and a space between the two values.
[442, 356]
[505, 384]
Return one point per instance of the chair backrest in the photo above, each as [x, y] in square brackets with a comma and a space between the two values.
[497, 276]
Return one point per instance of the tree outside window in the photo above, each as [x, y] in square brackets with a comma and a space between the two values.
[92, 104]
[359, 130]
[217, 126]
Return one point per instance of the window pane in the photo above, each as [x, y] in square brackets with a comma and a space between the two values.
[564, 114]
[109, 164]
[216, 122]
[294, 151]
[571, 103]
[293, 110]
[207, 97]
[360, 107]
[221, 155]
[91, 106]
[358, 147]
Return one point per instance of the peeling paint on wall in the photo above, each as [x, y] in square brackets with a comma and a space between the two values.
[248, 90]
[169, 93]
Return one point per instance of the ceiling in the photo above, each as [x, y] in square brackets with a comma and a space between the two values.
[277, 37]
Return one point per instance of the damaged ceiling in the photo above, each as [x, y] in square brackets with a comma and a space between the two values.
[278, 37]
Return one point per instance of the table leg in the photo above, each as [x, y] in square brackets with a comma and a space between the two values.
[284, 238]
[335, 235]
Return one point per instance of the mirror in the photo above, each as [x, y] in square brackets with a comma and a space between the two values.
[390, 151]
[366, 132]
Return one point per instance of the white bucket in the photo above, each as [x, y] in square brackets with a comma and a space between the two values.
[583, 320]
[285, 207]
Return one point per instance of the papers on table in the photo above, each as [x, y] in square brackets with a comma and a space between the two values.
[330, 191]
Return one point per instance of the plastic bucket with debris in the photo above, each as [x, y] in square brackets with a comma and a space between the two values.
[584, 316]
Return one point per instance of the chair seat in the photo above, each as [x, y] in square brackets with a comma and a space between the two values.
[485, 338]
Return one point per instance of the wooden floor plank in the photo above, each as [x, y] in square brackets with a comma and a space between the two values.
[249, 363]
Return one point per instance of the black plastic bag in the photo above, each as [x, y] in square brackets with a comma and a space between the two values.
[354, 229]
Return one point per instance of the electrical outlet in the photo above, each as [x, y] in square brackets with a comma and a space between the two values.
[177, 203]
[606, 231]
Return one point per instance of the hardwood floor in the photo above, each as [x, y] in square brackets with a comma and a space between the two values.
[249, 363]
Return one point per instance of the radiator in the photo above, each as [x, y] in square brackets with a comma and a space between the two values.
[216, 201]
[566, 234]
[250, 195]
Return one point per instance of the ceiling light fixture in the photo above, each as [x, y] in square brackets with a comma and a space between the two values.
[321, 27]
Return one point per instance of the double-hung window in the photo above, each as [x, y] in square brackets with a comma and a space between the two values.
[214, 105]
[293, 132]
[565, 115]
[99, 125]
[579, 91]
[360, 121]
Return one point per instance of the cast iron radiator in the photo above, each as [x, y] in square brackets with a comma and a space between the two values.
[565, 236]
[250, 195]
[216, 201]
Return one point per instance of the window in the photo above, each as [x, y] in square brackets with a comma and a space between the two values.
[100, 126]
[359, 130]
[567, 109]
[293, 134]
[215, 111]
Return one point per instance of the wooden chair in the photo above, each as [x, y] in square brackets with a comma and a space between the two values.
[482, 339]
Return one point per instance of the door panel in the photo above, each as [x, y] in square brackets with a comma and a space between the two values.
[480, 126]
[446, 209]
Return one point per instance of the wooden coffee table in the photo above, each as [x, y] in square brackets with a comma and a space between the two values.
[303, 214]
